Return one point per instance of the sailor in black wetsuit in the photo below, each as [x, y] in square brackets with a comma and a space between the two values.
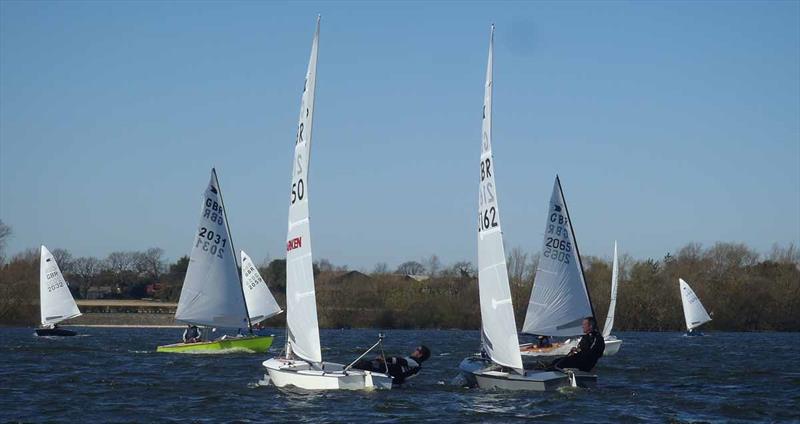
[589, 350]
[400, 368]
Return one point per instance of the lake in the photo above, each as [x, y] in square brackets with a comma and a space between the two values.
[114, 375]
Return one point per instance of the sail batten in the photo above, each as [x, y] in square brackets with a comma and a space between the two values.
[559, 299]
[693, 311]
[212, 293]
[260, 302]
[498, 327]
[301, 308]
[57, 303]
[612, 305]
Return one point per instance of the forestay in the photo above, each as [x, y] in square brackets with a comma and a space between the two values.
[559, 299]
[612, 306]
[56, 300]
[212, 291]
[693, 311]
[260, 302]
[301, 304]
[499, 329]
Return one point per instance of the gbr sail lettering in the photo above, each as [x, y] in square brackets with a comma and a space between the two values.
[557, 245]
[212, 239]
[487, 212]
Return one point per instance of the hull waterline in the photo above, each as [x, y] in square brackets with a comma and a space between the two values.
[55, 332]
[255, 344]
[331, 376]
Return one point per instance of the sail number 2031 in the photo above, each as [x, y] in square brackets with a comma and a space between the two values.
[211, 242]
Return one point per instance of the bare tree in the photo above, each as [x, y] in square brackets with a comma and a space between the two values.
[433, 265]
[463, 269]
[324, 265]
[151, 262]
[516, 263]
[85, 269]
[411, 268]
[5, 232]
[63, 259]
[381, 268]
[785, 255]
[119, 262]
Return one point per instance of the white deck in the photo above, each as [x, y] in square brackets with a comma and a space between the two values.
[330, 376]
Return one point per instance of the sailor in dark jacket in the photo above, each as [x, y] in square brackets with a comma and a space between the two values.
[400, 368]
[589, 349]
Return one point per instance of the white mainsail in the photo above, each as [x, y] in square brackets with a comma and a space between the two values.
[260, 302]
[56, 300]
[301, 302]
[559, 299]
[693, 311]
[499, 329]
[212, 291]
[612, 306]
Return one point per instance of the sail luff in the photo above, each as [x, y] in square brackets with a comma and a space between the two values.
[612, 305]
[577, 250]
[301, 308]
[498, 326]
[231, 248]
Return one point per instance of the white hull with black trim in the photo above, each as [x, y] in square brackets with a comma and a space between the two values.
[328, 376]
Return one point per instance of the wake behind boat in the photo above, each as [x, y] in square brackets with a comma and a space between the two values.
[302, 365]
[499, 366]
[213, 293]
[56, 301]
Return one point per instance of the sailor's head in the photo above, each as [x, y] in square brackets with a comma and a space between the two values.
[421, 353]
[589, 324]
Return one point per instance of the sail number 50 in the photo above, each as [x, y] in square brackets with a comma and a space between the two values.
[298, 190]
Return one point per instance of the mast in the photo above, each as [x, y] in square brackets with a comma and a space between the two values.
[233, 251]
[577, 251]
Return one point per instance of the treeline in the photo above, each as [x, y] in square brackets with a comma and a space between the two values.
[742, 290]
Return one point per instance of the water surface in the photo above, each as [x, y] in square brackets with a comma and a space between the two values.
[114, 375]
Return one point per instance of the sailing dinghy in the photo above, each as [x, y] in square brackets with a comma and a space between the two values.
[693, 311]
[213, 295]
[612, 343]
[499, 366]
[56, 300]
[302, 365]
[560, 299]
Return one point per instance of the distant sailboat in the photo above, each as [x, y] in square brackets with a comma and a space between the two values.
[560, 299]
[693, 311]
[302, 365]
[56, 302]
[612, 343]
[500, 364]
[261, 304]
[212, 294]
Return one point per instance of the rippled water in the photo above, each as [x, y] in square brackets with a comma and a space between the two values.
[114, 375]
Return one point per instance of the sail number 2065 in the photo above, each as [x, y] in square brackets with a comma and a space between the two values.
[211, 242]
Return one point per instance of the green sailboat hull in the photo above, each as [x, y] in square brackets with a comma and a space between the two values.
[254, 344]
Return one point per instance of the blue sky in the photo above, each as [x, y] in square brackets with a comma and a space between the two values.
[668, 122]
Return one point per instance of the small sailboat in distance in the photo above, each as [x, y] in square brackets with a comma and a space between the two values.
[499, 366]
[693, 311]
[213, 295]
[612, 343]
[261, 303]
[56, 302]
[302, 365]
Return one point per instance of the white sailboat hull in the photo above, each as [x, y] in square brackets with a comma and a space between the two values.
[300, 374]
[612, 346]
[485, 375]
